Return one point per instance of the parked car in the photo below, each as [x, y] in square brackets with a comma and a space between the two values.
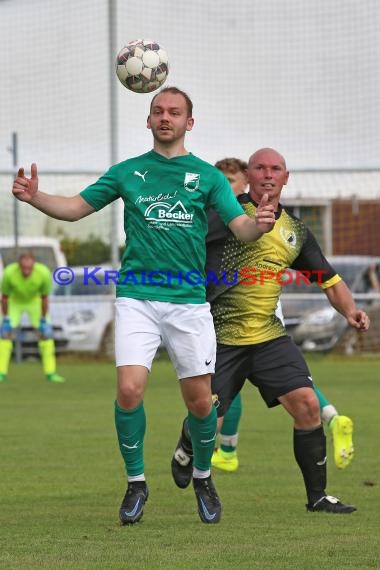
[310, 319]
[45, 250]
[85, 310]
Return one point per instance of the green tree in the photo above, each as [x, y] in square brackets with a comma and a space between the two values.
[90, 251]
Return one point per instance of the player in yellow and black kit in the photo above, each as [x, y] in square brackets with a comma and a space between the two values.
[252, 341]
[225, 456]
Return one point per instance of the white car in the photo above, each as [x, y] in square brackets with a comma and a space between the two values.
[85, 309]
[312, 322]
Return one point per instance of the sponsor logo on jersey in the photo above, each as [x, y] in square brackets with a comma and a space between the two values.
[191, 181]
[168, 214]
[158, 198]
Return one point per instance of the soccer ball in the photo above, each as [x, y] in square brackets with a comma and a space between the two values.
[142, 66]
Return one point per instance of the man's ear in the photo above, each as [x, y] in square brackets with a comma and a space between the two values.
[190, 123]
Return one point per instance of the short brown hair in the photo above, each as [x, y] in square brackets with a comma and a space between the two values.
[176, 91]
[231, 165]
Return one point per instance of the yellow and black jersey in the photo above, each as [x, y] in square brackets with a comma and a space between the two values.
[245, 280]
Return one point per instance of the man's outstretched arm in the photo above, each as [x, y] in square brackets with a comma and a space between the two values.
[65, 208]
[341, 299]
[251, 229]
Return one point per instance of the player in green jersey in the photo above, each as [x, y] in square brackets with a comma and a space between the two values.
[161, 291]
[25, 287]
[225, 457]
[252, 340]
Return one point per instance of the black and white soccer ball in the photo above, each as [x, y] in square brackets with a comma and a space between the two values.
[142, 66]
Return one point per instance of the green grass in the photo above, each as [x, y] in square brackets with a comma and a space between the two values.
[62, 479]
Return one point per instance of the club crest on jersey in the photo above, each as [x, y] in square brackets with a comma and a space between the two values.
[289, 237]
[191, 181]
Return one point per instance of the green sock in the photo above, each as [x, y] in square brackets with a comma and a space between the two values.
[230, 427]
[323, 401]
[130, 428]
[328, 411]
[203, 433]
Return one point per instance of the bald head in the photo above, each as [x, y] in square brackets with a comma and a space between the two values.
[267, 155]
[267, 174]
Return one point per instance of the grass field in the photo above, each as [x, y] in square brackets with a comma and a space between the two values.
[62, 479]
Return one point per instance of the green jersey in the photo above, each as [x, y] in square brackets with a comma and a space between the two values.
[23, 289]
[165, 222]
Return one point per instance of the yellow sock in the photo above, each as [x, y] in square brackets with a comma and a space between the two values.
[6, 345]
[47, 351]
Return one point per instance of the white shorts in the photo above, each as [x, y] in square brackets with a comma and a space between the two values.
[186, 330]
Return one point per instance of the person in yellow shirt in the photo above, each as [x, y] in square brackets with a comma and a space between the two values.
[225, 456]
[25, 288]
[243, 289]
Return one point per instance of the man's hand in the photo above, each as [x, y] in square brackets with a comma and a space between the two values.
[6, 328]
[359, 320]
[45, 329]
[265, 215]
[246, 228]
[25, 189]
[341, 299]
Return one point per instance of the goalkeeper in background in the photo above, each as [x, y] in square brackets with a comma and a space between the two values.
[25, 287]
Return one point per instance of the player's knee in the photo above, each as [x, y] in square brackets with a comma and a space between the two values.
[129, 397]
[308, 409]
[303, 405]
[200, 407]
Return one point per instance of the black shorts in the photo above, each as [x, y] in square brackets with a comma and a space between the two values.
[276, 367]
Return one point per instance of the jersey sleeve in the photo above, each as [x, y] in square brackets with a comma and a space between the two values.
[102, 192]
[223, 200]
[312, 260]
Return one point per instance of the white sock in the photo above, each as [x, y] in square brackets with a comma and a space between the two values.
[328, 413]
[136, 478]
[229, 440]
[198, 474]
